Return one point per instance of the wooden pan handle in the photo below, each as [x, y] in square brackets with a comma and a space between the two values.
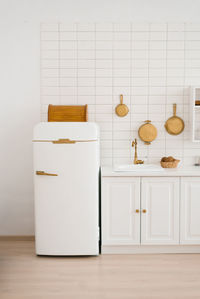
[39, 172]
[121, 99]
[174, 109]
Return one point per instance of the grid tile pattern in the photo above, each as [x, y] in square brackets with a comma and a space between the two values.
[151, 64]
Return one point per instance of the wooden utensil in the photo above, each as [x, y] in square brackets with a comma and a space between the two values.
[121, 109]
[67, 113]
[147, 132]
[174, 125]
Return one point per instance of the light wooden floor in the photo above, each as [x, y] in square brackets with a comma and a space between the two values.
[24, 275]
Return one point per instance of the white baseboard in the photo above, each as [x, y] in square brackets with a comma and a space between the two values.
[149, 249]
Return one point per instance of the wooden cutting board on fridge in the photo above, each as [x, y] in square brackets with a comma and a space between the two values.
[60, 113]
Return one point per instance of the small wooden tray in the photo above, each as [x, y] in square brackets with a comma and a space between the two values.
[59, 113]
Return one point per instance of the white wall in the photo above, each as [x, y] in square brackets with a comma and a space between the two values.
[152, 64]
[19, 88]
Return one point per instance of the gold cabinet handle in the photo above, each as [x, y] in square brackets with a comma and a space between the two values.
[144, 211]
[137, 211]
[38, 172]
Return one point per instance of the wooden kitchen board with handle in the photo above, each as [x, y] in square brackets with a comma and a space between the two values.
[60, 113]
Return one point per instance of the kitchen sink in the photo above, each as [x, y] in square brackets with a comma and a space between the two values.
[138, 167]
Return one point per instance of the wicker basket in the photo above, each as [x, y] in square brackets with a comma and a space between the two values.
[173, 164]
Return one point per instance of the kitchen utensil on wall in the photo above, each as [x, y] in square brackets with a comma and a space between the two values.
[147, 132]
[174, 125]
[121, 109]
[60, 113]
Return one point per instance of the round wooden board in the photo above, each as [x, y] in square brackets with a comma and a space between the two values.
[147, 133]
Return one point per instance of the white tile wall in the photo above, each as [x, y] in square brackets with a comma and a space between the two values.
[152, 64]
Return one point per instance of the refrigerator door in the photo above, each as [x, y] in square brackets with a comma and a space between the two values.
[66, 197]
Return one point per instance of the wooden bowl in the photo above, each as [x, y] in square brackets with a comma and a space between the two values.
[173, 164]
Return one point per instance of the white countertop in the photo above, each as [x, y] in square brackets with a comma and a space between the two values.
[108, 171]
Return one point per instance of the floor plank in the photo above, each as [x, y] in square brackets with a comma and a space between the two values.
[24, 275]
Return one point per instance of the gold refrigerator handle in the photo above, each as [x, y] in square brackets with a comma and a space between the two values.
[69, 141]
[39, 172]
[65, 141]
[61, 141]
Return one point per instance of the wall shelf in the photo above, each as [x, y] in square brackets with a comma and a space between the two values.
[195, 114]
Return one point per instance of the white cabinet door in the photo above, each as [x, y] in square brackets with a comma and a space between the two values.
[160, 211]
[120, 211]
[190, 211]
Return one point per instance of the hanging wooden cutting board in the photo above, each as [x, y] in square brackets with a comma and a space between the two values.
[174, 125]
[59, 113]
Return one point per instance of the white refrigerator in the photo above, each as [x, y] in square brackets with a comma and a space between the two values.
[66, 186]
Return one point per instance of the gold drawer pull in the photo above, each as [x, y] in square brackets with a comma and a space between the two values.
[38, 172]
[144, 211]
[137, 211]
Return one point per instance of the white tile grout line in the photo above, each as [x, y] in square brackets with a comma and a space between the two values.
[112, 96]
[41, 78]
[148, 67]
[166, 88]
[131, 97]
[148, 49]
[95, 77]
[77, 74]
[126, 31]
[183, 145]
[59, 59]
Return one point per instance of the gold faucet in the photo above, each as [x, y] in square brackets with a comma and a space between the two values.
[136, 161]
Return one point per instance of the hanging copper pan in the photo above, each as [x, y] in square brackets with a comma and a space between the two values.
[174, 125]
[121, 109]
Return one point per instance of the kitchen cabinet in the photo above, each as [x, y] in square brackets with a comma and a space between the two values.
[190, 211]
[154, 213]
[160, 211]
[134, 214]
[121, 211]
